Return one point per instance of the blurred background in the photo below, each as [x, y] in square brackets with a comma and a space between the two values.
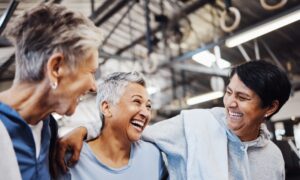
[185, 48]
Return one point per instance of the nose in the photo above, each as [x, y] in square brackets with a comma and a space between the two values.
[93, 88]
[232, 102]
[145, 112]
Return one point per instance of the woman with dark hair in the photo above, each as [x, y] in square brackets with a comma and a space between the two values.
[231, 142]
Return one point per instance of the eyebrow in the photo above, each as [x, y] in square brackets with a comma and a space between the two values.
[140, 97]
[238, 92]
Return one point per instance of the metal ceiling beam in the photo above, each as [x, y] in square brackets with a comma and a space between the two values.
[117, 24]
[7, 14]
[7, 64]
[174, 18]
[101, 9]
[111, 12]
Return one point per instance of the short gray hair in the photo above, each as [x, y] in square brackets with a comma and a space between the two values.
[47, 29]
[113, 87]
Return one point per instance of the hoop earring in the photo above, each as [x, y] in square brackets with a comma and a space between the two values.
[53, 85]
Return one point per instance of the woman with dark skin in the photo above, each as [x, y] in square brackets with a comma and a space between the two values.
[231, 142]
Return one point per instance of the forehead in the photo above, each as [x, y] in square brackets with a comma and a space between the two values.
[235, 84]
[133, 89]
[90, 60]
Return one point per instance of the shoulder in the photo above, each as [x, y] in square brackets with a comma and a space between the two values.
[86, 150]
[274, 150]
[146, 149]
[146, 146]
[216, 112]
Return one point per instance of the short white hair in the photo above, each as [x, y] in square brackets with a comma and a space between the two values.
[113, 87]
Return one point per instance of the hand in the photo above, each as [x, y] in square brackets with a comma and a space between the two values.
[70, 142]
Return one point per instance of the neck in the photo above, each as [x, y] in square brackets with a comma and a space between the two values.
[111, 149]
[249, 135]
[29, 100]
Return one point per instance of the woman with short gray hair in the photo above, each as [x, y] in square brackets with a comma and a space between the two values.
[118, 152]
[56, 58]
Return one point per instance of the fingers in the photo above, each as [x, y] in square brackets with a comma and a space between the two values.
[71, 144]
[62, 149]
[75, 157]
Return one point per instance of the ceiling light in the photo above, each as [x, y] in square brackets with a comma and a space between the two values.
[152, 90]
[207, 59]
[204, 98]
[264, 28]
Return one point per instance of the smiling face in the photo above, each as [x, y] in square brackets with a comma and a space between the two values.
[132, 112]
[76, 83]
[244, 110]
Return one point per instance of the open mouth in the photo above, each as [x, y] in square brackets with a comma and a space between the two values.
[138, 125]
[235, 115]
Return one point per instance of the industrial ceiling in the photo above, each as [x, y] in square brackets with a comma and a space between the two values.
[160, 37]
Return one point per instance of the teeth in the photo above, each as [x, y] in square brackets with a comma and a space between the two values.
[235, 114]
[139, 123]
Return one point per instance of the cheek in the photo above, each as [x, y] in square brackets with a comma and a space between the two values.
[225, 100]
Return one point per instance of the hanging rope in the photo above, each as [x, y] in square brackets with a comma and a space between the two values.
[270, 7]
[230, 10]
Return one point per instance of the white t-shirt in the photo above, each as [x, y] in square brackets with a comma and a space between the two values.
[37, 136]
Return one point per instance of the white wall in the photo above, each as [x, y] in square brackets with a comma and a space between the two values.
[290, 109]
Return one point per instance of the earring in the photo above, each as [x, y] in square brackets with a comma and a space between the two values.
[266, 115]
[53, 85]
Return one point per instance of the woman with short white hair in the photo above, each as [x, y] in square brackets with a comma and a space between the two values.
[118, 153]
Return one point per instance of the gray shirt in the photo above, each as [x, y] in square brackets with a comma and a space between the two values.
[199, 145]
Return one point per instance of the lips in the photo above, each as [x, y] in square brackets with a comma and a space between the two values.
[138, 124]
[235, 115]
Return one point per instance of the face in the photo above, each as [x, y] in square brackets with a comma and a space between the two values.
[132, 113]
[76, 83]
[244, 111]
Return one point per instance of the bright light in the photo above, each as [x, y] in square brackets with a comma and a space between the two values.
[207, 59]
[204, 97]
[263, 29]
[152, 90]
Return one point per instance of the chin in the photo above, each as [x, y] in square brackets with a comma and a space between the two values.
[135, 138]
[70, 111]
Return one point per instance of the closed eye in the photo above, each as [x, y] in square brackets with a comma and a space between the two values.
[228, 92]
[242, 98]
[137, 101]
[149, 106]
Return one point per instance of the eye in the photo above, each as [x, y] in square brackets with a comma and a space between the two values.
[137, 101]
[228, 92]
[242, 98]
[149, 106]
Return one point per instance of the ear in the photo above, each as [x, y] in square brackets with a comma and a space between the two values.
[271, 109]
[106, 109]
[54, 66]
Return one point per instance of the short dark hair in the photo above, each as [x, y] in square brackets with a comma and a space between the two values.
[266, 80]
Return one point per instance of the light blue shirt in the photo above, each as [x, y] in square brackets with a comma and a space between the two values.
[145, 163]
